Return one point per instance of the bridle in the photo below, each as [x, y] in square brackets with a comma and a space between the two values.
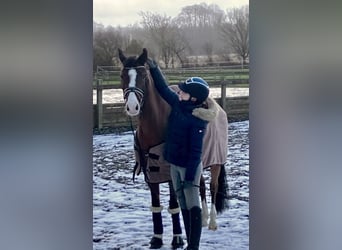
[137, 91]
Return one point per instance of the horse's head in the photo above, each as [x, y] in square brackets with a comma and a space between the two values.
[133, 81]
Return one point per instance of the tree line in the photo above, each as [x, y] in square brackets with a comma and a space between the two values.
[198, 30]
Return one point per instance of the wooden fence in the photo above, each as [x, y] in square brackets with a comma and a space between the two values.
[213, 75]
[112, 115]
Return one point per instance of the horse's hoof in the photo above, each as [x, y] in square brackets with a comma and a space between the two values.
[212, 227]
[177, 242]
[156, 243]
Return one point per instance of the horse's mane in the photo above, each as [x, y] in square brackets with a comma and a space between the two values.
[157, 110]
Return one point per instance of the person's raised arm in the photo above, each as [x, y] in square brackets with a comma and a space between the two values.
[160, 83]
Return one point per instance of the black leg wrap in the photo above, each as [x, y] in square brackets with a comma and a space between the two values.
[156, 243]
[177, 242]
[176, 224]
[157, 223]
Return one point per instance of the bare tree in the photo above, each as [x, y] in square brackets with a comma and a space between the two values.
[235, 29]
[158, 28]
[165, 34]
[199, 15]
[179, 45]
[209, 48]
[134, 46]
[198, 25]
[106, 41]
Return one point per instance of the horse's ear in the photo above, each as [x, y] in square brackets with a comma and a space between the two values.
[143, 57]
[121, 56]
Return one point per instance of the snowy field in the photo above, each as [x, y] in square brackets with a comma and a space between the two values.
[115, 95]
[121, 209]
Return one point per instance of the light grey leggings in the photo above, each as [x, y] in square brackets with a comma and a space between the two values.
[187, 192]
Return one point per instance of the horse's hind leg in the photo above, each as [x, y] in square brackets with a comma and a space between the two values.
[205, 213]
[157, 239]
[174, 210]
[215, 172]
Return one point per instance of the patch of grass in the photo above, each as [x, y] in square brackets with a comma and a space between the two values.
[212, 75]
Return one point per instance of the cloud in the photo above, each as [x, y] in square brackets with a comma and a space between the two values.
[124, 13]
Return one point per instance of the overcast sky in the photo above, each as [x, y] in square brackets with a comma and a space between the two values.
[125, 12]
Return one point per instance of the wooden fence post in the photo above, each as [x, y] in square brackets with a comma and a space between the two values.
[223, 94]
[99, 103]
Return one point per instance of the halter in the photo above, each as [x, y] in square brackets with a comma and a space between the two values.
[137, 91]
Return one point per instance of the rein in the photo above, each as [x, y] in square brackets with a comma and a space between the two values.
[142, 155]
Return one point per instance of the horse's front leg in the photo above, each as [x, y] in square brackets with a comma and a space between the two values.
[177, 240]
[157, 238]
[215, 172]
[205, 213]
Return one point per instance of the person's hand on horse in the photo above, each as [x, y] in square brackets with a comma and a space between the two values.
[151, 63]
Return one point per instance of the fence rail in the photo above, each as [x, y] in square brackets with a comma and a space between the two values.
[214, 75]
[111, 115]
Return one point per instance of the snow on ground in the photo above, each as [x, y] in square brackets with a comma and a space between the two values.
[116, 96]
[121, 209]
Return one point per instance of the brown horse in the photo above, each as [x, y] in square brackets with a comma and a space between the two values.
[143, 101]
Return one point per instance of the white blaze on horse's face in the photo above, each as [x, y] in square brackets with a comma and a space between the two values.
[132, 106]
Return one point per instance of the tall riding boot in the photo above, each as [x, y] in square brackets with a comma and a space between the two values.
[186, 219]
[195, 228]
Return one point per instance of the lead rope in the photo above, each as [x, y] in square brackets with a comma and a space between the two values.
[141, 154]
[135, 147]
[132, 129]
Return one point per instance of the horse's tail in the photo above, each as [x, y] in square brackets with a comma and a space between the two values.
[222, 193]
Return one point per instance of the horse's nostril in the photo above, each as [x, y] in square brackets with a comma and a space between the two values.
[136, 108]
[127, 108]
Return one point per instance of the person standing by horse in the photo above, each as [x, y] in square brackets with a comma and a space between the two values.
[183, 145]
